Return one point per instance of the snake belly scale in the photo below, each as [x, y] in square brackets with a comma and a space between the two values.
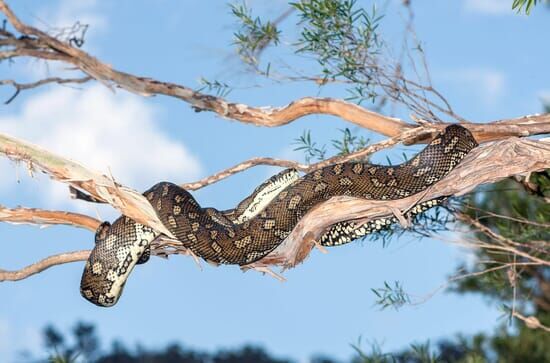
[263, 220]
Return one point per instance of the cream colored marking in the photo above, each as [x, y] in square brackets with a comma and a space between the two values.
[195, 226]
[254, 255]
[269, 223]
[172, 221]
[422, 171]
[213, 234]
[178, 198]
[192, 237]
[243, 242]
[320, 187]
[357, 168]
[97, 268]
[176, 210]
[266, 195]
[390, 171]
[337, 169]
[111, 275]
[110, 242]
[216, 247]
[376, 182]
[451, 144]
[317, 175]
[159, 204]
[345, 181]
[294, 201]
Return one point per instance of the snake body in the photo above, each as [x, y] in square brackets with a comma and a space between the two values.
[263, 220]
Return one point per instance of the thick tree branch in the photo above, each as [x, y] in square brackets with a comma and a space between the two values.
[38, 44]
[126, 200]
[486, 164]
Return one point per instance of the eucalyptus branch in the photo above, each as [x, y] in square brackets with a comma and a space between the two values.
[24, 86]
[43, 217]
[127, 201]
[485, 164]
[44, 264]
[38, 44]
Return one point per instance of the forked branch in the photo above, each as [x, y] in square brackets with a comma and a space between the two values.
[38, 44]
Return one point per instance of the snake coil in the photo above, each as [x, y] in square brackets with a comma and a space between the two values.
[263, 220]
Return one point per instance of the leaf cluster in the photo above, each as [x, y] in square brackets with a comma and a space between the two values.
[253, 34]
[343, 39]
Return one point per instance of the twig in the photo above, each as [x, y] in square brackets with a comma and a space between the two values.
[24, 86]
[46, 217]
[44, 264]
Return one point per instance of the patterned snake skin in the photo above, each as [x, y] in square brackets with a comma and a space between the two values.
[263, 220]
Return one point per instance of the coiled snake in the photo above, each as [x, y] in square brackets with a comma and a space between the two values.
[263, 220]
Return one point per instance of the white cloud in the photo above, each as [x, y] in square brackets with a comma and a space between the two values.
[489, 7]
[488, 84]
[108, 132]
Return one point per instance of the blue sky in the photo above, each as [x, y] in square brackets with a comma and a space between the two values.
[489, 62]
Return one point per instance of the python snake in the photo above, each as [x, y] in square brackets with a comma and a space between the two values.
[263, 220]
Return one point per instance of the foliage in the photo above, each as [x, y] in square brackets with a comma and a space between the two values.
[253, 34]
[524, 217]
[343, 40]
[479, 348]
[393, 296]
[84, 347]
[347, 143]
[519, 5]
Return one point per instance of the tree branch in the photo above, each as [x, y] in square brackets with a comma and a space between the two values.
[38, 44]
[128, 201]
[485, 164]
[44, 264]
[46, 217]
[24, 86]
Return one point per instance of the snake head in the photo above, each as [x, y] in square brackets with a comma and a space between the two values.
[118, 248]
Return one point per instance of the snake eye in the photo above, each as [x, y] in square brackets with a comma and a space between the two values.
[102, 231]
[144, 256]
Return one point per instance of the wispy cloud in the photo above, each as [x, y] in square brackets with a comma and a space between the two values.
[487, 83]
[111, 133]
[489, 7]
[67, 12]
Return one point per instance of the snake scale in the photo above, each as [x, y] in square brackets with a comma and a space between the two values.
[263, 220]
